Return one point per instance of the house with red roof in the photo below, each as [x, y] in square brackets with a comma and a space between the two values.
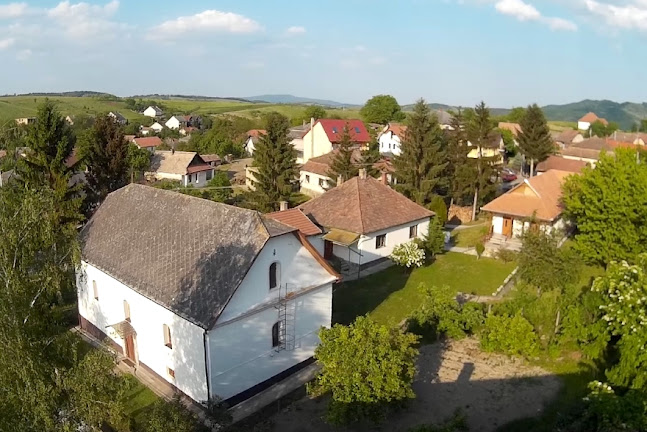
[391, 137]
[585, 122]
[148, 143]
[325, 135]
[252, 138]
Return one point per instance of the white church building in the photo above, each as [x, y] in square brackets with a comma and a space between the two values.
[213, 299]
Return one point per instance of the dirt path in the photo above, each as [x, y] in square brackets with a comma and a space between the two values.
[491, 390]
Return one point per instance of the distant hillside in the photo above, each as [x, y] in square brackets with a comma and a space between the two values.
[443, 107]
[290, 99]
[188, 97]
[78, 93]
[625, 114]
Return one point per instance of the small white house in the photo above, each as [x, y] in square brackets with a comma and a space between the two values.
[533, 204]
[391, 137]
[153, 111]
[157, 127]
[118, 118]
[177, 122]
[363, 219]
[186, 167]
[211, 299]
[325, 134]
[584, 124]
[252, 138]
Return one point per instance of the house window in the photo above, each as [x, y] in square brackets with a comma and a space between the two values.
[356, 129]
[167, 336]
[380, 241]
[196, 178]
[413, 231]
[170, 372]
[126, 311]
[209, 175]
[95, 290]
[276, 334]
[189, 177]
[307, 178]
[274, 275]
[322, 183]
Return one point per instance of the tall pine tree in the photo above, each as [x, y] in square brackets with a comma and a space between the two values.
[535, 140]
[419, 167]
[275, 161]
[370, 156]
[461, 170]
[480, 134]
[342, 164]
[106, 158]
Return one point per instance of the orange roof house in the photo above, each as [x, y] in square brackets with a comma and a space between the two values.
[536, 201]
[515, 128]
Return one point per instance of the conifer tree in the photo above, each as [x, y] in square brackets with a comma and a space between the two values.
[480, 134]
[461, 170]
[106, 160]
[371, 156]
[275, 161]
[535, 140]
[419, 167]
[342, 161]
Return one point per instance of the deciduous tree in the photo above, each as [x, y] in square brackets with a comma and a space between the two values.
[382, 109]
[422, 161]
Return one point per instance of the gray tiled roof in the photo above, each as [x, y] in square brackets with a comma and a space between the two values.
[184, 253]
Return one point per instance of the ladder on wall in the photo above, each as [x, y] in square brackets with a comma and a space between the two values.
[286, 306]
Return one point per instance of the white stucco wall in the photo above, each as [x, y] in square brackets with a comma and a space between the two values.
[150, 112]
[311, 187]
[157, 127]
[240, 345]
[322, 144]
[390, 143]
[583, 126]
[165, 176]
[249, 146]
[497, 224]
[173, 123]
[186, 357]
[519, 226]
[198, 179]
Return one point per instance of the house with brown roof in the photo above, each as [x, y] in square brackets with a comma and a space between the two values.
[584, 124]
[253, 136]
[561, 164]
[186, 167]
[568, 137]
[325, 134]
[515, 128]
[363, 219]
[148, 143]
[588, 150]
[210, 300]
[533, 204]
[391, 137]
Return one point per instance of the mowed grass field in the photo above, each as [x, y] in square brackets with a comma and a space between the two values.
[26, 106]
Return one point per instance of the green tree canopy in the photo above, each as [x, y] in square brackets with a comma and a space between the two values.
[342, 161]
[515, 115]
[314, 111]
[535, 140]
[365, 367]
[607, 205]
[599, 129]
[275, 162]
[382, 109]
[422, 160]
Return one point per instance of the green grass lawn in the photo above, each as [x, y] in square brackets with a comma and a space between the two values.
[138, 399]
[469, 237]
[391, 295]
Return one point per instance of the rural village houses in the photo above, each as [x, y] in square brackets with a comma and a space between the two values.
[325, 134]
[153, 111]
[212, 299]
[186, 167]
[148, 143]
[363, 219]
[584, 124]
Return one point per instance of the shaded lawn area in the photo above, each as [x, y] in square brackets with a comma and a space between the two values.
[469, 237]
[138, 400]
[391, 295]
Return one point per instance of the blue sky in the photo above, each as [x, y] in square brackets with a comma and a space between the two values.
[506, 52]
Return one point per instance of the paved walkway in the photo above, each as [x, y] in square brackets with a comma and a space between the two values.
[463, 250]
[274, 393]
[352, 275]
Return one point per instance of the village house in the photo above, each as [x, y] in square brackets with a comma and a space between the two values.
[148, 143]
[25, 120]
[390, 138]
[145, 130]
[153, 111]
[363, 219]
[253, 136]
[568, 137]
[324, 136]
[584, 124]
[180, 121]
[589, 150]
[212, 159]
[296, 139]
[560, 164]
[313, 175]
[495, 150]
[637, 138]
[118, 118]
[295, 218]
[186, 167]
[214, 300]
[514, 128]
[533, 204]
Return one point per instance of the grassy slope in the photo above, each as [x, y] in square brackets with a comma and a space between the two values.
[391, 295]
[469, 237]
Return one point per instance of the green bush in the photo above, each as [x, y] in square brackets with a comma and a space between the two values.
[438, 206]
[408, 255]
[442, 314]
[480, 248]
[509, 335]
[433, 241]
[506, 255]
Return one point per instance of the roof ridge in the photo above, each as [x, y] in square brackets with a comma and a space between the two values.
[359, 206]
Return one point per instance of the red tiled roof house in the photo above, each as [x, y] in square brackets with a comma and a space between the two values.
[325, 134]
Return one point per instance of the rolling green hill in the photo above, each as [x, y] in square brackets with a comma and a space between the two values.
[625, 114]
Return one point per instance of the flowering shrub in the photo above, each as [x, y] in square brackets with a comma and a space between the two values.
[408, 255]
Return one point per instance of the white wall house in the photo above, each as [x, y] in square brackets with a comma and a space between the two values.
[535, 203]
[314, 184]
[186, 167]
[325, 134]
[178, 121]
[157, 127]
[153, 111]
[390, 138]
[584, 124]
[212, 299]
[364, 219]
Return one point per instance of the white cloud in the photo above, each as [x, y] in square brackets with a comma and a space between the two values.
[295, 30]
[13, 10]
[24, 55]
[85, 22]
[527, 12]
[631, 15]
[207, 21]
[360, 48]
[6, 43]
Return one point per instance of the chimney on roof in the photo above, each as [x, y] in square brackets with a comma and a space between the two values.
[340, 179]
[283, 205]
[383, 179]
[312, 137]
[362, 173]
